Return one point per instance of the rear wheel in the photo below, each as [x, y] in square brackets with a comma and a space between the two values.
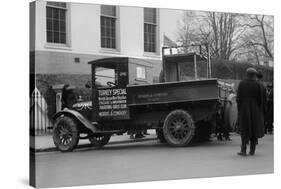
[99, 140]
[66, 134]
[178, 128]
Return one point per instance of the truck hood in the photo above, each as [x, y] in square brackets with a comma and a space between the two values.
[83, 105]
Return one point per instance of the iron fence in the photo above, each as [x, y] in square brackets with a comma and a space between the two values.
[40, 114]
[42, 110]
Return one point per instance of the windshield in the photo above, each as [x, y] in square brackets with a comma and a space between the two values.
[105, 76]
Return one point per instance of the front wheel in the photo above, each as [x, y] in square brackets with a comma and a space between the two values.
[66, 134]
[178, 128]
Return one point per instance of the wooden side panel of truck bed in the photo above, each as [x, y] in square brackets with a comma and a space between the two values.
[173, 92]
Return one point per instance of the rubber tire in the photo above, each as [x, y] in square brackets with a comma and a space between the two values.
[99, 143]
[160, 135]
[191, 128]
[73, 126]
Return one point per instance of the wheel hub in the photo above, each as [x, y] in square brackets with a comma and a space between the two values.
[178, 126]
[64, 131]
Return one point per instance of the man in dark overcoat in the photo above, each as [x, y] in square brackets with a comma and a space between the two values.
[249, 101]
[263, 97]
[263, 91]
[269, 110]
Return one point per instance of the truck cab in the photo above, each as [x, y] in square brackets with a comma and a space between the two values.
[113, 76]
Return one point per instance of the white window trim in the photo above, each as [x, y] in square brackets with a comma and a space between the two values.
[67, 45]
[155, 54]
[109, 50]
[116, 50]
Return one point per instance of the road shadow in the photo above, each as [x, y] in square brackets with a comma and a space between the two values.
[152, 145]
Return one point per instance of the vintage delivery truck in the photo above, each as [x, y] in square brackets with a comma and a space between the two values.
[177, 109]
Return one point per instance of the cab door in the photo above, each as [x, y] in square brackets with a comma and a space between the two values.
[112, 103]
[111, 94]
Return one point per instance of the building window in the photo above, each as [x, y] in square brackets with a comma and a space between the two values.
[56, 22]
[108, 26]
[141, 72]
[150, 26]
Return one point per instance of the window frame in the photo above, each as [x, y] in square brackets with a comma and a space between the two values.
[144, 71]
[155, 33]
[113, 40]
[66, 32]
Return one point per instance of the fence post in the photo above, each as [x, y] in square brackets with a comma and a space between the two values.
[58, 101]
[58, 91]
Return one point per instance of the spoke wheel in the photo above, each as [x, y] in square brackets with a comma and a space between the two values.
[99, 140]
[178, 128]
[65, 135]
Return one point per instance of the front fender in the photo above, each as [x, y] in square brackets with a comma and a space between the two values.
[79, 117]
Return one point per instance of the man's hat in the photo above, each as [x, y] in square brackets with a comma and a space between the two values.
[251, 70]
[68, 87]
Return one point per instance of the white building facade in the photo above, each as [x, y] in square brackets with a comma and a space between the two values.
[65, 36]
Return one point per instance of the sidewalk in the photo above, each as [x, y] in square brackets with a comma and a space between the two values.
[44, 143]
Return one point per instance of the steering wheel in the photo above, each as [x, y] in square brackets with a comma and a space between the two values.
[111, 84]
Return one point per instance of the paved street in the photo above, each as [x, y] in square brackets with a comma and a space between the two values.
[150, 160]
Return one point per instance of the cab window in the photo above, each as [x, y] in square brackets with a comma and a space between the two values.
[141, 72]
[105, 77]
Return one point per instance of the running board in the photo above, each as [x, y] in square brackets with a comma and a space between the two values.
[110, 132]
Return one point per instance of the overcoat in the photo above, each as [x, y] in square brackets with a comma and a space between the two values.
[250, 101]
[264, 97]
[269, 110]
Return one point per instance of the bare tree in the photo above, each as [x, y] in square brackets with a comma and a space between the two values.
[259, 36]
[187, 33]
[219, 30]
[223, 28]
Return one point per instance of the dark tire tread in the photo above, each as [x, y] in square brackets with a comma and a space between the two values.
[191, 128]
[73, 126]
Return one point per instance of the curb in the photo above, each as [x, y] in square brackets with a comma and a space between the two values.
[52, 149]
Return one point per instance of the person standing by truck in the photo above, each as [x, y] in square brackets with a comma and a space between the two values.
[68, 97]
[269, 111]
[264, 94]
[249, 101]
